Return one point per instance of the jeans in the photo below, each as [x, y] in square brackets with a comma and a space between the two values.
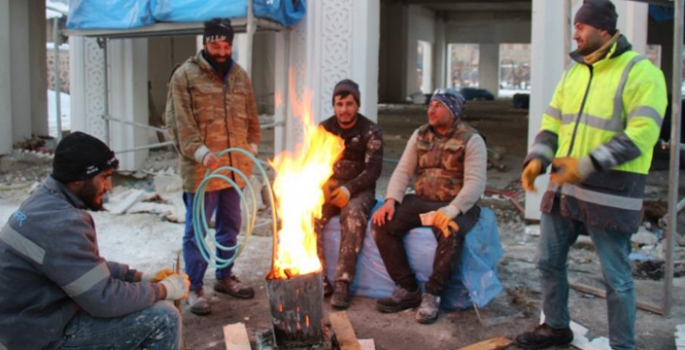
[157, 327]
[226, 204]
[389, 239]
[354, 218]
[557, 235]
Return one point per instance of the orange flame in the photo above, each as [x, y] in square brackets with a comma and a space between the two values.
[297, 188]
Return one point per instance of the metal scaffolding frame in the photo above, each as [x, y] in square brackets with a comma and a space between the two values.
[674, 165]
[249, 25]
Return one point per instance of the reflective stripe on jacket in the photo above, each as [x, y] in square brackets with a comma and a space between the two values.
[611, 111]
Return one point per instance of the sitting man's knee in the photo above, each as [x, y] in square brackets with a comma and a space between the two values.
[165, 313]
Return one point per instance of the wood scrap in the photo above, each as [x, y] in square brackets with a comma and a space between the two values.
[344, 333]
[236, 338]
[495, 343]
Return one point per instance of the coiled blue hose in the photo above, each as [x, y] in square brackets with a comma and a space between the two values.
[200, 223]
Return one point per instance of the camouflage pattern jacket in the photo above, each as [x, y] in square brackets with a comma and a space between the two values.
[440, 173]
[360, 165]
[206, 114]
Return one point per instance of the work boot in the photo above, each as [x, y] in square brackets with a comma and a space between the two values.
[429, 309]
[544, 336]
[199, 305]
[399, 300]
[233, 287]
[341, 296]
[327, 288]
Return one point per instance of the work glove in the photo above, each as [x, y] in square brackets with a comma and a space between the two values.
[340, 196]
[156, 277]
[532, 170]
[569, 170]
[328, 188]
[444, 219]
[255, 149]
[177, 287]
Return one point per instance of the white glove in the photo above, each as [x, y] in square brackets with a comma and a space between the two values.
[176, 287]
[156, 277]
[255, 149]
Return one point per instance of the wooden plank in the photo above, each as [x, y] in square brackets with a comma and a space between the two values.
[236, 338]
[642, 305]
[367, 344]
[344, 332]
[495, 343]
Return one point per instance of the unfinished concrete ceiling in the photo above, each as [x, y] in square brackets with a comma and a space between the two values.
[470, 5]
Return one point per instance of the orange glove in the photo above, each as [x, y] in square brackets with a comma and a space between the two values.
[327, 188]
[569, 170]
[160, 275]
[532, 170]
[340, 196]
[444, 219]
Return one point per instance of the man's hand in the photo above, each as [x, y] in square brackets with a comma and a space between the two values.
[569, 170]
[255, 149]
[211, 160]
[157, 277]
[444, 219]
[532, 170]
[176, 286]
[340, 196]
[387, 210]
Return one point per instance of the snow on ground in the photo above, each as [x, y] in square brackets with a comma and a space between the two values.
[511, 93]
[65, 111]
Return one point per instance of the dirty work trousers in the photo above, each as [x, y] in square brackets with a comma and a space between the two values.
[557, 235]
[389, 239]
[353, 221]
[155, 328]
[226, 204]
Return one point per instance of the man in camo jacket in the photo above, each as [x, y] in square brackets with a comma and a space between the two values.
[448, 161]
[352, 186]
[211, 107]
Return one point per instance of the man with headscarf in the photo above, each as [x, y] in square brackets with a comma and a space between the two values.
[56, 291]
[447, 159]
[598, 133]
[210, 108]
[351, 190]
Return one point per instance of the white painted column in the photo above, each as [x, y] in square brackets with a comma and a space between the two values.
[129, 100]
[488, 68]
[38, 98]
[547, 65]
[439, 55]
[5, 75]
[240, 49]
[87, 78]
[337, 39]
[632, 22]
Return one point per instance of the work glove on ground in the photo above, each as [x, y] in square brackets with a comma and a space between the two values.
[532, 170]
[156, 277]
[444, 219]
[340, 196]
[569, 170]
[177, 287]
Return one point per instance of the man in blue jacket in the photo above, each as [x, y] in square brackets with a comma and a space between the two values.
[56, 291]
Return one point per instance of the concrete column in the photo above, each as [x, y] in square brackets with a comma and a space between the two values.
[547, 65]
[5, 75]
[337, 39]
[38, 99]
[488, 68]
[87, 77]
[129, 100]
[439, 55]
[632, 22]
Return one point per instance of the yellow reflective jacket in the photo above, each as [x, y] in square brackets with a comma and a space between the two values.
[610, 111]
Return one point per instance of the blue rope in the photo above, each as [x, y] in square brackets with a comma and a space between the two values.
[200, 222]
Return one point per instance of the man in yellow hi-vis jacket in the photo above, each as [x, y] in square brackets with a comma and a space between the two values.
[598, 133]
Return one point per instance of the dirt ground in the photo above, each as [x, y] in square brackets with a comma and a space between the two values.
[147, 241]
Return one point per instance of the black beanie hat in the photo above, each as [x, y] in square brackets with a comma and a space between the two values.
[347, 85]
[218, 29]
[80, 156]
[600, 14]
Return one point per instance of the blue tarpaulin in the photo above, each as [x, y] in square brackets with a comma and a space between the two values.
[474, 282]
[125, 14]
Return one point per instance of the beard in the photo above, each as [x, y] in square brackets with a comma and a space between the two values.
[89, 194]
[220, 67]
[592, 44]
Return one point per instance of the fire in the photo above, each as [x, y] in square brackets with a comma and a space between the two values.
[299, 198]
